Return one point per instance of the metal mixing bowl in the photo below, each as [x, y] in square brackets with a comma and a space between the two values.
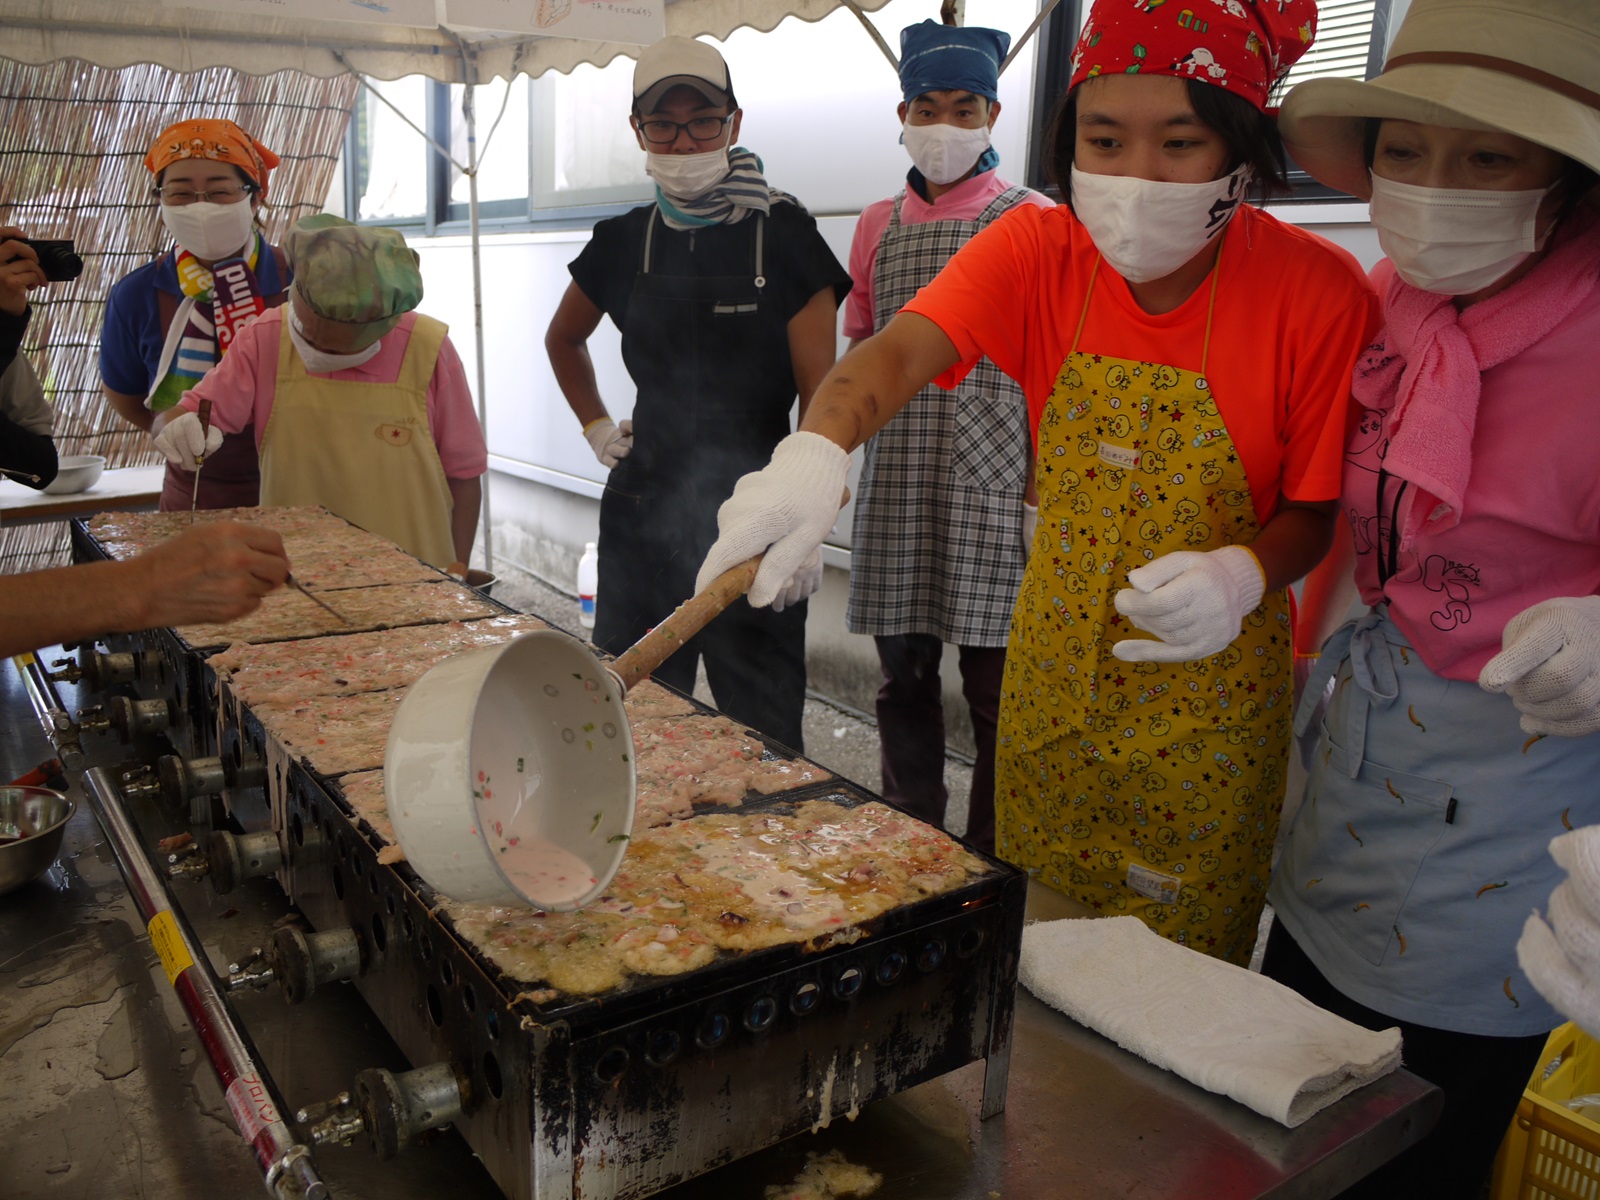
[40, 816]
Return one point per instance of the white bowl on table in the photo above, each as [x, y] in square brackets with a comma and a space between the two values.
[76, 473]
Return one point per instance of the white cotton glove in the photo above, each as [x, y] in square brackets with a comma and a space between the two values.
[1550, 666]
[1194, 601]
[182, 440]
[806, 580]
[1030, 526]
[609, 441]
[786, 509]
[1562, 958]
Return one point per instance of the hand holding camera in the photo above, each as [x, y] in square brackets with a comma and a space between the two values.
[27, 264]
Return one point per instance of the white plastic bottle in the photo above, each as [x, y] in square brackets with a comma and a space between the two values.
[588, 580]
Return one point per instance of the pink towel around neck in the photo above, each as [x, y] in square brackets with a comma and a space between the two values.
[1431, 359]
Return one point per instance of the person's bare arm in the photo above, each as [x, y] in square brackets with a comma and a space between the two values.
[813, 343]
[130, 408]
[468, 497]
[1328, 594]
[212, 573]
[877, 379]
[1295, 540]
[567, 344]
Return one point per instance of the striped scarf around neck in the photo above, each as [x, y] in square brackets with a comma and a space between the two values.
[742, 191]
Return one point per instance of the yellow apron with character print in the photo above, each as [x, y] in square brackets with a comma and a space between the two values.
[364, 450]
[1151, 789]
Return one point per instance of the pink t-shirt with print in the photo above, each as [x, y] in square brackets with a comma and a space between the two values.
[1530, 518]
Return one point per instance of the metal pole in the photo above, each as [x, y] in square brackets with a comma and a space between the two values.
[469, 110]
[286, 1164]
[59, 727]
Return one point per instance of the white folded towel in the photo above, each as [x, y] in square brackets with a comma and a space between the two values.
[1219, 1026]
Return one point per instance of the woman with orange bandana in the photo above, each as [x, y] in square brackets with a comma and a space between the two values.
[1186, 360]
[170, 321]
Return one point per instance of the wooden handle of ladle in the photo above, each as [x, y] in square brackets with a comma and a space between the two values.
[689, 618]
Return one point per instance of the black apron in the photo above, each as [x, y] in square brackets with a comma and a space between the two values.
[709, 356]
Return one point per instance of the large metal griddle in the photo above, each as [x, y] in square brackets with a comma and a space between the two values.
[615, 1096]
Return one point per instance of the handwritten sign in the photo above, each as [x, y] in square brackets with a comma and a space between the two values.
[635, 22]
[422, 13]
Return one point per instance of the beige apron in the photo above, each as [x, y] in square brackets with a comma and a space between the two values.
[364, 450]
[1152, 789]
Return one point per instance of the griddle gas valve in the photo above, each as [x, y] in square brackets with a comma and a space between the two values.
[301, 962]
[392, 1110]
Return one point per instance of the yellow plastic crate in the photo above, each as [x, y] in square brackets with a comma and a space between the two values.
[1551, 1152]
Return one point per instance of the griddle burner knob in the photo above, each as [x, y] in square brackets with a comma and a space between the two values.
[713, 1031]
[303, 962]
[663, 1047]
[396, 1108]
[233, 859]
[805, 999]
[763, 1011]
[890, 967]
[848, 983]
[931, 956]
[103, 670]
[131, 718]
[182, 779]
[971, 942]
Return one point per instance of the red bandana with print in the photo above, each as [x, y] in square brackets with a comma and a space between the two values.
[1242, 46]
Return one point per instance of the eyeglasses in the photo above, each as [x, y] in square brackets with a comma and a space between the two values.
[223, 193]
[701, 129]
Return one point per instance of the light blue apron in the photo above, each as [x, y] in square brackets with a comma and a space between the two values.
[1422, 843]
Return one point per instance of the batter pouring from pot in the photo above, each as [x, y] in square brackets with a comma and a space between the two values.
[1187, 362]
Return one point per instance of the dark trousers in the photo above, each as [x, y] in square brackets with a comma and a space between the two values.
[1482, 1078]
[911, 728]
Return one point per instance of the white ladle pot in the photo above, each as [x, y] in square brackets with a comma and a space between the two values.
[509, 772]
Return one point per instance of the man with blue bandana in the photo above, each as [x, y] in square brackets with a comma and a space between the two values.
[941, 527]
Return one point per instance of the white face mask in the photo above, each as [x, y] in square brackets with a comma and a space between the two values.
[687, 176]
[944, 153]
[1147, 229]
[321, 362]
[210, 231]
[1454, 242]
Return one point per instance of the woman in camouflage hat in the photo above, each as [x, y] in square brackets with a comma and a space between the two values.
[359, 403]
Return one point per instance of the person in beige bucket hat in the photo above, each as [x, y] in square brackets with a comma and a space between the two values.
[1525, 67]
[1457, 723]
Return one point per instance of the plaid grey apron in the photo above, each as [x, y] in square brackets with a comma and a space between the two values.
[937, 544]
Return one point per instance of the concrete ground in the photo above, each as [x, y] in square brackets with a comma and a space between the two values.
[841, 738]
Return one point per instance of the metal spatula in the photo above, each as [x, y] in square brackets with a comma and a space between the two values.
[199, 459]
[315, 599]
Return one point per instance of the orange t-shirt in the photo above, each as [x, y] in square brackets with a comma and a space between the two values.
[1292, 312]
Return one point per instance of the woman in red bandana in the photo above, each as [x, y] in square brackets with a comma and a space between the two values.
[170, 321]
[1186, 360]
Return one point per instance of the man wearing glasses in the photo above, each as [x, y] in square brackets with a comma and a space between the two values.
[725, 295]
[170, 321]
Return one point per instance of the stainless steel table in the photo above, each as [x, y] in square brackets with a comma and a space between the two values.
[104, 1093]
